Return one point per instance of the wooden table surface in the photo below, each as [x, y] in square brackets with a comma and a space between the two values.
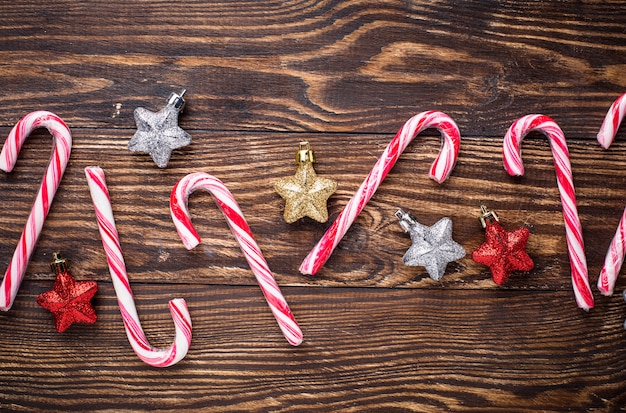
[344, 75]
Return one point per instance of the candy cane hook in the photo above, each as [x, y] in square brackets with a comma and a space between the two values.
[512, 155]
[439, 171]
[61, 148]
[612, 120]
[110, 241]
[240, 229]
[615, 254]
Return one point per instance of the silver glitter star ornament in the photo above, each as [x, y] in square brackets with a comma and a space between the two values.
[158, 133]
[432, 247]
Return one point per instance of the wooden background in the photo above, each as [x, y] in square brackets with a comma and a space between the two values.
[345, 75]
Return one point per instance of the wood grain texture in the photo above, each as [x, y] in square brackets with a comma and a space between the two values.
[315, 66]
[389, 350]
[344, 75]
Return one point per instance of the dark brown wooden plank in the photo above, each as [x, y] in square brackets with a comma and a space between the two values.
[353, 66]
[345, 75]
[371, 252]
[364, 349]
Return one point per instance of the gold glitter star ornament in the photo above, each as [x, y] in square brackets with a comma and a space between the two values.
[305, 193]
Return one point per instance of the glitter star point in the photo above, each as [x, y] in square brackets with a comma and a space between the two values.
[69, 301]
[504, 251]
[158, 133]
[432, 247]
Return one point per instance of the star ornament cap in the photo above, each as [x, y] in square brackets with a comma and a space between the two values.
[503, 251]
[70, 300]
[432, 247]
[305, 193]
[158, 133]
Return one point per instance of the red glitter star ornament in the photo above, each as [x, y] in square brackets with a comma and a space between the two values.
[70, 300]
[503, 251]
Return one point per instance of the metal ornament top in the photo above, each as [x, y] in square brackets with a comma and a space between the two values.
[158, 133]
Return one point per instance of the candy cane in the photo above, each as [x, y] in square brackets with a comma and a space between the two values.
[61, 148]
[241, 231]
[110, 241]
[439, 171]
[612, 121]
[615, 254]
[512, 154]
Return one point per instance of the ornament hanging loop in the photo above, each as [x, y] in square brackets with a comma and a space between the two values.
[59, 264]
[305, 154]
[487, 216]
[406, 219]
[176, 100]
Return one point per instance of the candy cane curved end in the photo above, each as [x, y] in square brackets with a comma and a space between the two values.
[117, 267]
[153, 356]
[512, 146]
[179, 208]
[443, 165]
[61, 149]
[240, 229]
[614, 259]
[62, 138]
[512, 158]
[612, 121]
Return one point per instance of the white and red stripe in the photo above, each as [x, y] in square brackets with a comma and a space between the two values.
[61, 148]
[615, 254]
[512, 155]
[240, 229]
[117, 267]
[612, 120]
[439, 171]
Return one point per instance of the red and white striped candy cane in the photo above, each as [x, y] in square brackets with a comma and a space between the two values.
[238, 225]
[178, 307]
[512, 155]
[61, 148]
[615, 254]
[439, 171]
[612, 120]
